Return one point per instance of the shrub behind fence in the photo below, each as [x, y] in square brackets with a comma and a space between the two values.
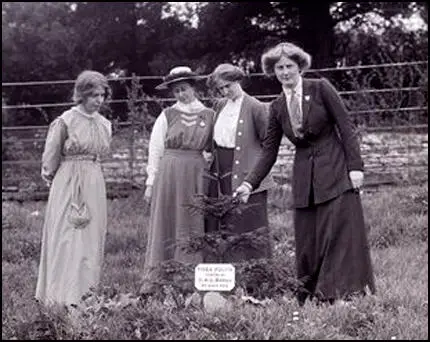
[387, 102]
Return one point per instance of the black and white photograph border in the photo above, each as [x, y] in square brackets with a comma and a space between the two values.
[156, 183]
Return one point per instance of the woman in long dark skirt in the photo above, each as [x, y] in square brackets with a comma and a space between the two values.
[332, 251]
[240, 125]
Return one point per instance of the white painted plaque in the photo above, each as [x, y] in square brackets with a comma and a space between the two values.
[214, 277]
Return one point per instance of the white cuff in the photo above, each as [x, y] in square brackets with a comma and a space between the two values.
[248, 185]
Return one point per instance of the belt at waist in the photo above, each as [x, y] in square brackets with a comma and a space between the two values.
[89, 157]
[219, 147]
[178, 152]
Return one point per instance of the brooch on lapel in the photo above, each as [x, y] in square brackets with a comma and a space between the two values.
[202, 120]
[307, 97]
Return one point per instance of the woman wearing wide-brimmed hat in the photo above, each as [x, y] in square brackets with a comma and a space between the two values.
[176, 166]
[240, 126]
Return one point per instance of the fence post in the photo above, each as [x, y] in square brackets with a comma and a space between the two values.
[133, 97]
[131, 158]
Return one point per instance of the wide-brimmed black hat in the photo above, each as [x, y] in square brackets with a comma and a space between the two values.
[177, 74]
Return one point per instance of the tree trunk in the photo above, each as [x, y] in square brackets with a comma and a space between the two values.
[317, 33]
[128, 41]
[425, 13]
[133, 66]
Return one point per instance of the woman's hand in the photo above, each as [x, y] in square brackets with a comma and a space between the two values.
[148, 193]
[357, 179]
[243, 191]
[208, 156]
[47, 180]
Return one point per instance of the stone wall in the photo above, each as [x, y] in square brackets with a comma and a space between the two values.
[388, 157]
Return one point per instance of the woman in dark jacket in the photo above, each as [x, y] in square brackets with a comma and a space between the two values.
[332, 251]
[240, 125]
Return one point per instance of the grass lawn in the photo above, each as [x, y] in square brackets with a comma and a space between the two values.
[398, 222]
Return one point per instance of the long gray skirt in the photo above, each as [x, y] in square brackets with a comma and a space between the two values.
[71, 259]
[332, 250]
[172, 222]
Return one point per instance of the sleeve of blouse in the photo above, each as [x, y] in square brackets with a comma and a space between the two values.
[106, 153]
[156, 147]
[51, 157]
[109, 132]
[209, 145]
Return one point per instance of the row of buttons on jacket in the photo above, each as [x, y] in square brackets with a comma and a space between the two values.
[238, 148]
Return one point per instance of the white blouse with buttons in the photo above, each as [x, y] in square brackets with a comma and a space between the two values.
[226, 125]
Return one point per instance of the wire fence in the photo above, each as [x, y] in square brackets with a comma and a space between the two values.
[170, 99]
[388, 107]
[116, 79]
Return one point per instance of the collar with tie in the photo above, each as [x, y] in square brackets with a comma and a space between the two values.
[297, 91]
[294, 109]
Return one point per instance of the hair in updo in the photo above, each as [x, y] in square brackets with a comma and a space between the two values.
[293, 52]
[87, 82]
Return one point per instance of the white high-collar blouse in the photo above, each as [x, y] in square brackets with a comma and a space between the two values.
[226, 123]
[158, 135]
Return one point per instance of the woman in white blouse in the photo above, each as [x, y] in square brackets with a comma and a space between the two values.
[240, 126]
[176, 166]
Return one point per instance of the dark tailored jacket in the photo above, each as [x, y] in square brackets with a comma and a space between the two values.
[251, 130]
[328, 150]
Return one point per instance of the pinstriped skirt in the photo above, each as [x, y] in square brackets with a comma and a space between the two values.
[172, 222]
[71, 258]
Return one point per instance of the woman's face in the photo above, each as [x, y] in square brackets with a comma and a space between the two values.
[287, 72]
[229, 89]
[94, 100]
[183, 92]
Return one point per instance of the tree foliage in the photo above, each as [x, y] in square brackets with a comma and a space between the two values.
[55, 40]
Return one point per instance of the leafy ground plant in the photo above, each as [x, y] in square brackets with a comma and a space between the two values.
[117, 311]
